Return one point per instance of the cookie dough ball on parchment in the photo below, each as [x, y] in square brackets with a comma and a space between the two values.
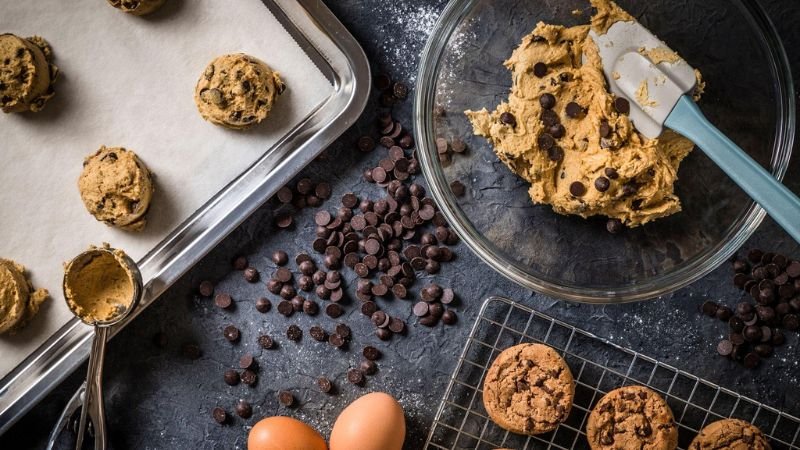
[137, 7]
[116, 188]
[528, 389]
[27, 73]
[237, 91]
[19, 301]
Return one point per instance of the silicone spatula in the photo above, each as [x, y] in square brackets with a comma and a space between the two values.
[659, 95]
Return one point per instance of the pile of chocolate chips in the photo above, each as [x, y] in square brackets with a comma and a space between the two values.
[756, 327]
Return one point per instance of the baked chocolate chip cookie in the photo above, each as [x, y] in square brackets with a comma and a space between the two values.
[137, 7]
[528, 389]
[116, 188]
[730, 434]
[237, 91]
[27, 73]
[632, 417]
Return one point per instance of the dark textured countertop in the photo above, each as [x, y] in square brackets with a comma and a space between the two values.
[159, 399]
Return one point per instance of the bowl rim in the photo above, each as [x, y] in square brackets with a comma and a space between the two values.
[744, 227]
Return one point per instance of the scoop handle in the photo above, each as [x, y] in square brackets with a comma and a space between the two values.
[779, 202]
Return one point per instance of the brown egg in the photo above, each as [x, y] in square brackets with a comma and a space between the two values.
[373, 422]
[284, 433]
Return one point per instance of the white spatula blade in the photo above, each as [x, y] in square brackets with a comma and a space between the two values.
[623, 50]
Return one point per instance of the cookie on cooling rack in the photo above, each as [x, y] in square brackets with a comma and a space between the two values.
[528, 389]
[731, 434]
[632, 417]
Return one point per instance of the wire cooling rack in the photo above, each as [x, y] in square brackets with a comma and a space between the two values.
[598, 367]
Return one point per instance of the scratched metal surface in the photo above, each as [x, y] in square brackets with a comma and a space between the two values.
[157, 399]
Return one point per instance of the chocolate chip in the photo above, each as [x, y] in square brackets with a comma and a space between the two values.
[231, 333]
[557, 131]
[602, 184]
[548, 101]
[286, 398]
[574, 110]
[577, 189]
[622, 105]
[325, 385]
[725, 347]
[614, 226]
[368, 367]
[265, 342]
[249, 377]
[334, 310]
[540, 69]
[545, 142]
[251, 274]
[231, 377]
[550, 118]
[458, 146]
[247, 361]
[508, 119]
[240, 263]
[366, 144]
[219, 415]
[371, 353]
[243, 409]
[223, 301]
[355, 376]
[336, 340]
[449, 317]
[294, 333]
[458, 188]
[399, 90]
[206, 288]
[556, 153]
[605, 129]
[752, 360]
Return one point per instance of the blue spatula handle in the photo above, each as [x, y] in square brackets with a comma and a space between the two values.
[779, 202]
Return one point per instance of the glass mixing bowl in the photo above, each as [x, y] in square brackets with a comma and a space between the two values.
[748, 96]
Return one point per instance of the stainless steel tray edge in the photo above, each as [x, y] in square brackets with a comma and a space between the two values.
[336, 53]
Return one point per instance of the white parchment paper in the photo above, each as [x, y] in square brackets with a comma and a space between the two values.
[128, 81]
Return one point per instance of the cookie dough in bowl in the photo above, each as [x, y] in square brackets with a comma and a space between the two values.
[237, 91]
[137, 7]
[569, 137]
[528, 389]
[27, 73]
[19, 301]
[116, 188]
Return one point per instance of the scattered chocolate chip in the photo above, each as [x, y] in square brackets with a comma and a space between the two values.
[548, 101]
[249, 377]
[286, 398]
[240, 263]
[294, 333]
[280, 257]
[263, 305]
[325, 385]
[449, 317]
[458, 188]
[231, 377]
[251, 274]
[247, 361]
[508, 119]
[206, 289]
[577, 189]
[265, 342]
[223, 301]
[219, 415]
[334, 310]
[355, 376]
[614, 226]
[231, 333]
[368, 367]
[545, 142]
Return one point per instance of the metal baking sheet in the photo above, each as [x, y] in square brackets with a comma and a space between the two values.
[208, 179]
[598, 367]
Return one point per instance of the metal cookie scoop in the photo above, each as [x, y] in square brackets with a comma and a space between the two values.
[658, 97]
[102, 286]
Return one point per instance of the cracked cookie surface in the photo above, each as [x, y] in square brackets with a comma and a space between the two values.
[27, 73]
[730, 434]
[237, 91]
[632, 417]
[528, 389]
[137, 7]
[116, 188]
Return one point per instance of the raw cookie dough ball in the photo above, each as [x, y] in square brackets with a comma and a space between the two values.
[19, 302]
[632, 417]
[137, 7]
[237, 91]
[27, 73]
[731, 434]
[528, 389]
[116, 188]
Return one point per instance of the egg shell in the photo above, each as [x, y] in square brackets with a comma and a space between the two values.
[373, 422]
[284, 433]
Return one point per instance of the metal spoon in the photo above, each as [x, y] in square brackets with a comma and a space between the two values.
[93, 404]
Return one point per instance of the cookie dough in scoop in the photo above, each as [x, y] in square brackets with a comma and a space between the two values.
[137, 7]
[19, 301]
[99, 288]
[571, 139]
[237, 91]
[27, 73]
[116, 188]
